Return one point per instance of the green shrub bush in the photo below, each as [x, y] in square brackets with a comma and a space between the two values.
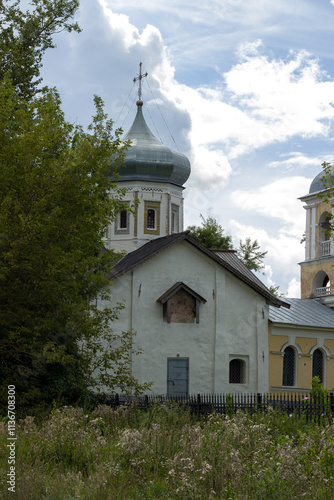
[164, 453]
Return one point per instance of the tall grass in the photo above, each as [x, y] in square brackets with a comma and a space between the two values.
[163, 453]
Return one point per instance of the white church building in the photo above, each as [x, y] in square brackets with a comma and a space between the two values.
[205, 323]
[200, 316]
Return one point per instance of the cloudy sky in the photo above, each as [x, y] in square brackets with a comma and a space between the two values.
[244, 88]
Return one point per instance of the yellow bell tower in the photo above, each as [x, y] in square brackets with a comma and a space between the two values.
[317, 270]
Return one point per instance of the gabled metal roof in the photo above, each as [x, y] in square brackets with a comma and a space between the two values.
[226, 259]
[304, 312]
[175, 288]
[231, 257]
[151, 248]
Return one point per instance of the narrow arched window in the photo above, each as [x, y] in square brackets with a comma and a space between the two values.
[237, 371]
[150, 218]
[289, 366]
[318, 365]
[123, 219]
[122, 222]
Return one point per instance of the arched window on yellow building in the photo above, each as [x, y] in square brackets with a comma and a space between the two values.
[318, 364]
[289, 367]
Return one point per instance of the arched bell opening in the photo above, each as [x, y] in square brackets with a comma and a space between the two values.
[324, 234]
[321, 284]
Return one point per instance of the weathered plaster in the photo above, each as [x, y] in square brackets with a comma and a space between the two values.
[233, 321]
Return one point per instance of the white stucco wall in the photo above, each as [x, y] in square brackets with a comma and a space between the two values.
[165, 194]
[233, 323]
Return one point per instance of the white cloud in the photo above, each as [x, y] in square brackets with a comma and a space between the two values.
[241, 117]
[266, 276]
[281, 261]
[298, 159]
[282, 248]
[211, 12]
[284, 97]
[261, 102]
[293, 289]
[268, 101]
[209, 167]
[129, 34]
[279, 200]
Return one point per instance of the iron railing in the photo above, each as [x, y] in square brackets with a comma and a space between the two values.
[325, 248]
[323, 291]
[314, 408]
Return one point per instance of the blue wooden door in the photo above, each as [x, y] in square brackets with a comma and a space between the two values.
[177, 376]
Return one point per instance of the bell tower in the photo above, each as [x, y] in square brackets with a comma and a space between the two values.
[317, 270]
[154, 177]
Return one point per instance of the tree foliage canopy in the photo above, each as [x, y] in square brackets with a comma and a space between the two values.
[328, 192]
[54, 210]
[210, 234]
[251, 255]
[26, 35]
[55, 206]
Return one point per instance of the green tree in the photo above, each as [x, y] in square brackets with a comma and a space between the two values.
[327, 194]
[274, 291]
[54, 210]
[210, 234]
[26, 35]
[250, 254]
[318, 388]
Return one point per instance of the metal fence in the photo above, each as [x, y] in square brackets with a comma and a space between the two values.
[313, 408]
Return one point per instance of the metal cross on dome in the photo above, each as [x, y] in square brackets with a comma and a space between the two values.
[139, 78]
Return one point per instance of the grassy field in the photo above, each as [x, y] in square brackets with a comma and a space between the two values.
[165, 454]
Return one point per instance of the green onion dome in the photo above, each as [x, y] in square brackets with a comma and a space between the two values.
[148, 159]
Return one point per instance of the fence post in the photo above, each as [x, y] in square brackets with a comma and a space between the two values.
[198, 406]
[116, 400]
[259, 401]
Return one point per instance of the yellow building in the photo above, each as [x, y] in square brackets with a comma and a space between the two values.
[301, 345]
[301, 339]
[317, 271]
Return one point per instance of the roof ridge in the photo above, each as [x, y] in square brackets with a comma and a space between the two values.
[152, 247]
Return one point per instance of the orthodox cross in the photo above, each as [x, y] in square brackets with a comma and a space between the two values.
[139, 78]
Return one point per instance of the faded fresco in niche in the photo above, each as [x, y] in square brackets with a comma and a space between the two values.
[182, 308]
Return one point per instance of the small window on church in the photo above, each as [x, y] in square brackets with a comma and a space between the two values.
[237, 371]
[123, 219]
[175, 219]
[150, 218]
[122, 222]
